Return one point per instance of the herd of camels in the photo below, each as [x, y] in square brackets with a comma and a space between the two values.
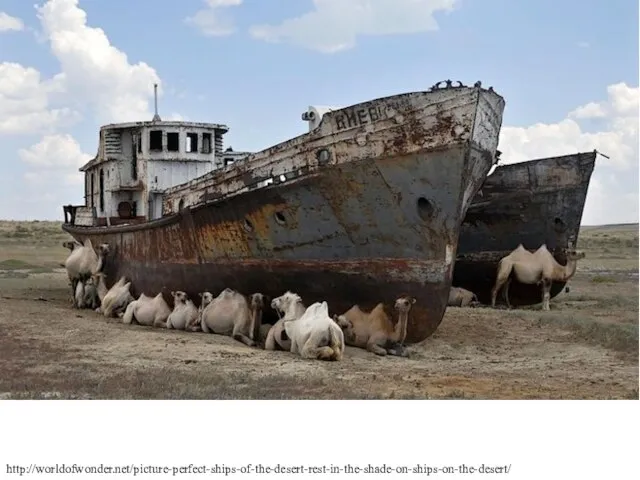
[308, 331]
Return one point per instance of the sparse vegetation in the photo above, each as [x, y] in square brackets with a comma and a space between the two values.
[585, 347]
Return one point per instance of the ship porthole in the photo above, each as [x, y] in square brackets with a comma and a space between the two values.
[248, 226]
[323, 156]
[425, 209]
[280, 218]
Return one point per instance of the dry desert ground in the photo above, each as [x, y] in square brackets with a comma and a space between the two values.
[586, 347]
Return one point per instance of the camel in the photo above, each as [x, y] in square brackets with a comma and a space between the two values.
[78, 300]
[147, 311]
[315, 335]
[90, 299]
[374, 330]
[71, 245]
[538, 268]
[290, 305]
[459, 297]
[114, 300]
[184, 315]
[83, 261]
[232, 314]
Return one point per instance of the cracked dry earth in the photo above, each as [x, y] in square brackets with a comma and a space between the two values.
[586, 347]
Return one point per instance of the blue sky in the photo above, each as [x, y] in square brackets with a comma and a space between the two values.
[568, 71]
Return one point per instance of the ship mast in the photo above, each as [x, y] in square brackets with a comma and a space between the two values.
[156, 117]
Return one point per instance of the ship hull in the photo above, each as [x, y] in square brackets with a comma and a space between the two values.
[536, 202]
[380, 221]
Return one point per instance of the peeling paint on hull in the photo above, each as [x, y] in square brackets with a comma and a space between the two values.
[379, 220]
[534, 202]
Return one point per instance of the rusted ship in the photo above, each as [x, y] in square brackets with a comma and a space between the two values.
[361, 209]
[534, 202]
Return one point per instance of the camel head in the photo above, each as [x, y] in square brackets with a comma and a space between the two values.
[404, 303]
[284, 302]
[103, 249]
[575, 255]
[343, 322]
[257, 301]
[205, 299]
[179, 297]
[71, 245]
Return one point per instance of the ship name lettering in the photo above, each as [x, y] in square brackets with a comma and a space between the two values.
[356, 118]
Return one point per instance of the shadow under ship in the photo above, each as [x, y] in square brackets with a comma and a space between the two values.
[362, 209]
[533, 202]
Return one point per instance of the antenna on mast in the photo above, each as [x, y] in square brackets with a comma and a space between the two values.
[156, 117]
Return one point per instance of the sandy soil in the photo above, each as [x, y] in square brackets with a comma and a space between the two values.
[585, 347]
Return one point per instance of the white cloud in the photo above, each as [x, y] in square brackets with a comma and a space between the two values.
[24, 102]
[55, 160]
[214, 20]
[99, 75]
[9, 23]
[613, 192]
[335, 24]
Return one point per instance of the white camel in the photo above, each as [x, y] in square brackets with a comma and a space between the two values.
[184, 315]
[113, 301]
[289, 306]
[315, 335]
[374, 330]
[539, 268]
[147, 311]
[83, 261]
[232, 314]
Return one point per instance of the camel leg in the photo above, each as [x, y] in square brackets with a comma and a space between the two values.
[373, 347]
[546, 294]
[204, 327]
[169, 325]
[505, 292]
[158, 323]
[270, 341]
[239, 335]
[311, 351]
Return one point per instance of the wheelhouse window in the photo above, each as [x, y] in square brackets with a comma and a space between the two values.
[155, 140]
[173, 141]
[206, 143]
[192, 142]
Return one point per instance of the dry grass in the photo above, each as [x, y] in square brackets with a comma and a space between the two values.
[585, 347]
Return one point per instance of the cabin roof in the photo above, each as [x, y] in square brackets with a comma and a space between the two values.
[89, 164]
[166, 123]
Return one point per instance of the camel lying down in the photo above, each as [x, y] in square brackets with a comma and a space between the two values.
[185, 314]
[315, 335]
[459, 297]
[374, 330]
[234, 315]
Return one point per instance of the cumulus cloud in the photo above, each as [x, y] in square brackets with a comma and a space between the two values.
[613, 192]
[96, 82]
[54, 161]
[214, 20]
[334, 25]
[99, 75]
[25, 102]
[9, 23]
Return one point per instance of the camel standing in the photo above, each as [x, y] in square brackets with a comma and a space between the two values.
[374, 330]
[82, 262]
[540, 268]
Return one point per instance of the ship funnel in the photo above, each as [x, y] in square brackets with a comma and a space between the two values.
[156, 117]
